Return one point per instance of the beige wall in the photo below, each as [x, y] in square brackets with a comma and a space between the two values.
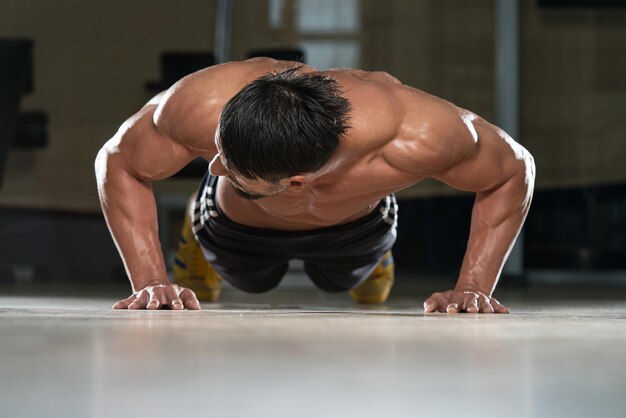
[574, 93]
[573, 76]
[444, 47]
[93, 59]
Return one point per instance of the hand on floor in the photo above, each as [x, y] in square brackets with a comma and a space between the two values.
[154, 297]
[455, 301]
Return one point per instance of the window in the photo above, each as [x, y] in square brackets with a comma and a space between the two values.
[327, 30]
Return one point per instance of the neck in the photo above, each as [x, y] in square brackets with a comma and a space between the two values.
[340, 157]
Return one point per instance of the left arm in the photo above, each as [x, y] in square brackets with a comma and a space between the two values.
[502, 174]
[466, 152]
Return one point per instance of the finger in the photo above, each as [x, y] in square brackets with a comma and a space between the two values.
[471, 304]
[140, 301]
[435, 303]
[430, 305]
[123, 304]
[190, 301]
[498, 307]
[155, 300]
[456, 302]
[452, 308]
[172, 298]
[485, 306]
[468, 302]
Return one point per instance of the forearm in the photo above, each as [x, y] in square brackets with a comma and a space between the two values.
[497, 219]
[130, 211]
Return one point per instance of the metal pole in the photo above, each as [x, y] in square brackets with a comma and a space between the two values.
[507, 95]
[223, 30]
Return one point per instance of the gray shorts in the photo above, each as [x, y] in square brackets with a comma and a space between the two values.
[336, 258]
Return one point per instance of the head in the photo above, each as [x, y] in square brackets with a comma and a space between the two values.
[278, 129]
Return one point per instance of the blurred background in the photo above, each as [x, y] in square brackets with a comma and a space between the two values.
[552, 73]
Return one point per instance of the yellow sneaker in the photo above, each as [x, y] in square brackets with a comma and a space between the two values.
[376, 288]
[191, 269]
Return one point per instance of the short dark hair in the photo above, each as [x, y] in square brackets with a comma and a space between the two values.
[283, 124]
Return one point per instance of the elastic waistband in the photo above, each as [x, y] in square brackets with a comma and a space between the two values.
[206, 208]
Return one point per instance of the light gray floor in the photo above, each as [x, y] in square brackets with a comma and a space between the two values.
[300, 353]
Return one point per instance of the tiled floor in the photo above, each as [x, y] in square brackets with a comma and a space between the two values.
[300, 353]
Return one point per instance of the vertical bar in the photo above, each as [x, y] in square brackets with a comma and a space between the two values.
[507, 95]
[223, 30]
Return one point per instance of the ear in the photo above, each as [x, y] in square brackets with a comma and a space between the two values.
[216, 168]
[295, 183]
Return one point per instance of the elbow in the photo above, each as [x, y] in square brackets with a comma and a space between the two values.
[529, 174]
[104, 159]
[530, 170]
[100, 165]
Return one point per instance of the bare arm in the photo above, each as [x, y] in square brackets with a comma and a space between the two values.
[470, 154]
[141, 152]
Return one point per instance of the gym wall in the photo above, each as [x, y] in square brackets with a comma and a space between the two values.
[93, 59]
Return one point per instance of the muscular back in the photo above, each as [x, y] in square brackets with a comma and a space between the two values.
[398, 136]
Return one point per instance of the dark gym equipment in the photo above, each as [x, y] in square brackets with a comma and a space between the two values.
[176, 65]
[17, 130]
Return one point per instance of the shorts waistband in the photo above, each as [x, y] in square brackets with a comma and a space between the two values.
[206, 208]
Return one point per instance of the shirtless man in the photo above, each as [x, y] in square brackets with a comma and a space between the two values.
[307, 164]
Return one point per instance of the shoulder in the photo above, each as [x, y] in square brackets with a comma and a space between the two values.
[189, 111]
[433, 135]
[415, 132]
[375, 115]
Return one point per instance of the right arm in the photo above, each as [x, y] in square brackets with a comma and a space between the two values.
[142, 151]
